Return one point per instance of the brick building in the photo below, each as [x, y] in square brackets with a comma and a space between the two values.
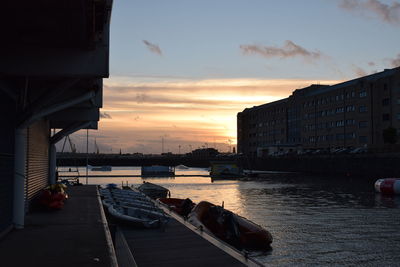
[354, 113]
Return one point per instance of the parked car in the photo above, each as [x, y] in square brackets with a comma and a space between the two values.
[359, 150]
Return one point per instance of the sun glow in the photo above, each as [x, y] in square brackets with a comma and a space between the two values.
[185, 113]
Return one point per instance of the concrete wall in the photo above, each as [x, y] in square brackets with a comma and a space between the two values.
[368, 166]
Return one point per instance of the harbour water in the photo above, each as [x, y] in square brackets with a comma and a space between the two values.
[314, 220]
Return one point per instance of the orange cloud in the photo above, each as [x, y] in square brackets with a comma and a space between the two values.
[186, 113]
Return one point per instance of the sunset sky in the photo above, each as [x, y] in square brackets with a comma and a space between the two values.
[181, 70]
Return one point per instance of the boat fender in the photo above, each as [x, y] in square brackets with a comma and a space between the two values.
[388, 186]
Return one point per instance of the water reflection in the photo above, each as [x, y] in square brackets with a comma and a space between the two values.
[314, 220]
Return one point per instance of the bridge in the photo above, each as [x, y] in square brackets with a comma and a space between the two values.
[79, 159]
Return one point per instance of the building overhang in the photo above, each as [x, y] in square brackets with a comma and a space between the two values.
[45, 38]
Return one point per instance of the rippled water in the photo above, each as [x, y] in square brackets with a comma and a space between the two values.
[314, 220]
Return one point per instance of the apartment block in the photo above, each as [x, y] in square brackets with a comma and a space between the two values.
[354, 113]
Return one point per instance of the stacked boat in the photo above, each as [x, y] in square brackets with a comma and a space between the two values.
[132, 207]
[136, 207]
[153, 190]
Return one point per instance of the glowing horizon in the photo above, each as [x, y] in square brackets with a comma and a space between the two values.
[138, 115]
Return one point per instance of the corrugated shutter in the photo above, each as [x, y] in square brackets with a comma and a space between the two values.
[6, 190]
[37, 168]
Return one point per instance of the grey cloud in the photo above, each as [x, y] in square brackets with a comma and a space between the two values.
[289, 50]
[395, 62]
[359, 71]
[105, 115]
[153, 47]
[387, 13]
[371, 63]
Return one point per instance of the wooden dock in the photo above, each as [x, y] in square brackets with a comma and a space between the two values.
[176, 245]
[76, 235]
[181, 244]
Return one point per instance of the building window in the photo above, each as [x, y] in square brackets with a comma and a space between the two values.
[398, 116]
[363, 108]
[350, 136]
[340, 110]
[340, 137]
[350, 122]
[350, 108]
[363, 94]
[363, 124]
[386, 117]
[363, 139]
[385, 102]
[353, 94]
[398, 101]
[340, 123]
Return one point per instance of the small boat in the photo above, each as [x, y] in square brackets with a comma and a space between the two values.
[137, 216]
[154, 191]
[156, 171]
[180, 206]
[388, 186]
[101, 168]
[225, 170]
[230, 227]
[132, 207]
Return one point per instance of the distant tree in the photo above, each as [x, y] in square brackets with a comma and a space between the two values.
[390, 135]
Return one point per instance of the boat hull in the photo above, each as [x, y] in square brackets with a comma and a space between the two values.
[154, 191]
[229, 227]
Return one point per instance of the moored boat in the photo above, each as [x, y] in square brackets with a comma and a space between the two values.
[153, 190]
[101, 168]
[230, 227]
[180, 206]
[389, 186]
[157, 171]
[132, 207]
[225, 170]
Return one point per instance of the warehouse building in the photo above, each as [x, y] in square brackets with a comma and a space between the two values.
[54, 56]
[363, 112]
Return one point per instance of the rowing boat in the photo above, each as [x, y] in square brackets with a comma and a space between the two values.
[132, 207]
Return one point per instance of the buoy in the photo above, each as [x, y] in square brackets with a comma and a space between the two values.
[388, 186]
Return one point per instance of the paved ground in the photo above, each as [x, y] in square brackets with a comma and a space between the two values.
[73, 236]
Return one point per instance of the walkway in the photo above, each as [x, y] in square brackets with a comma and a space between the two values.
[73, 236]
[175, 246]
